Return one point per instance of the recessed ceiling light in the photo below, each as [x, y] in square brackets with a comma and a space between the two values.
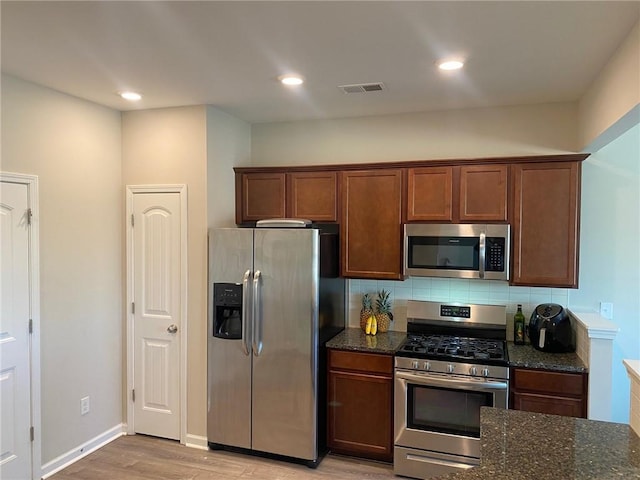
[450, 65]
[291, 80]
[131, 96]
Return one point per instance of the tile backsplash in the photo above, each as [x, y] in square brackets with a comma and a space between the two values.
[485, 292]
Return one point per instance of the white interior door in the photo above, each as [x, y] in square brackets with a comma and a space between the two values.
[157, 313]
[15, 389]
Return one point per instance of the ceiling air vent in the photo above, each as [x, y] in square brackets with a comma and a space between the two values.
[362, 87]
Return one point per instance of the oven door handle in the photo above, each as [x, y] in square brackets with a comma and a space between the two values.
[434, 381]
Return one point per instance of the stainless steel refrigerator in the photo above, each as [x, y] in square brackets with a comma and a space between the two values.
[274, 299]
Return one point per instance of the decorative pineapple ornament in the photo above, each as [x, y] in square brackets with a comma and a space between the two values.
[383, 311]
[366, 311]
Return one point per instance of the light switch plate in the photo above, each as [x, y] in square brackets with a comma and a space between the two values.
[84, 405]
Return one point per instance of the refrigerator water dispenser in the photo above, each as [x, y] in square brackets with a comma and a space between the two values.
[227, 310]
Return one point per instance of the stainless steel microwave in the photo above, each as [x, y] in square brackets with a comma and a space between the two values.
[457, 251]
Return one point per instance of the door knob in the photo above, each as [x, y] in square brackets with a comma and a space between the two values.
[172, 328]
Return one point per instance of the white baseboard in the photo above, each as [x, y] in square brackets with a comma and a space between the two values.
[81, 451]
[196, 441]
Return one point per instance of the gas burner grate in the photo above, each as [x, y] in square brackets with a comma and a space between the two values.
[445, 346]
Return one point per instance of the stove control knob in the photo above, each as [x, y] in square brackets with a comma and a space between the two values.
[473, 371]
[426, 366]
[450, 368]
[485, 372]
[415, 364]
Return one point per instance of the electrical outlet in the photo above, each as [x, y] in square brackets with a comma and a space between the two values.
[606, 310]
[84, 405]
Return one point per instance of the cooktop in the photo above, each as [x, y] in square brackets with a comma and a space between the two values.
[454, 348]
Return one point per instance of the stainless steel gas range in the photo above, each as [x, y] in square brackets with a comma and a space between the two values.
[453, 362]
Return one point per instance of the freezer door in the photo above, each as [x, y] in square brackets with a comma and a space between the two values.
[229, 361]
[285, 367]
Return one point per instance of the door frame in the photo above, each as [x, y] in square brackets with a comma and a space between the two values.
[31, 182]
[132, 190]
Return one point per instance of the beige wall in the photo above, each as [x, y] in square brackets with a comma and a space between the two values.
[74, 148]
[614, 95]
[471, 133]
[228, 145]
[168, 146]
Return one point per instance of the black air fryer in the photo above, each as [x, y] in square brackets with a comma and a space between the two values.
[550, 329]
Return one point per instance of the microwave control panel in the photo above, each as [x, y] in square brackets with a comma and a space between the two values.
[494, 261]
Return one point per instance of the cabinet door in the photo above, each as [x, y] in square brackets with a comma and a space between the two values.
[360, 413]
[553, 405]
[483, 193]
[262, 196]
[371, 224]
[545, 224]
[313, 195]
[556, 393]
[429, 194]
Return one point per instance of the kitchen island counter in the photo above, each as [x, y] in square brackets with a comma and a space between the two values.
[354, 339]
[523, 445]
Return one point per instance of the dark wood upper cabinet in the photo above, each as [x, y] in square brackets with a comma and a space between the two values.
[545, 224]
[310, 195]
[538, 195]
[469, 193]
[313, 195]
[371, 224]
[483, 193]
[262, 195]
[430, 194]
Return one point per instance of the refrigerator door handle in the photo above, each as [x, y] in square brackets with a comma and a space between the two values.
[246, 337]
[257, 315]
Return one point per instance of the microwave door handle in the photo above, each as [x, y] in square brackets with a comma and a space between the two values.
[257, 315]
[246, 342]
[483, 251]
[448, 382]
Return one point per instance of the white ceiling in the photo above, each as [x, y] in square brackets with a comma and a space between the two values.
[228, 54]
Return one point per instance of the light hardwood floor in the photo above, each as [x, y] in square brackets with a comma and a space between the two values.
[139, 457]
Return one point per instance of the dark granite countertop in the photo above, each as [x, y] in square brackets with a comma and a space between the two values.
[525, 356]
[356, 340]
[520, 445]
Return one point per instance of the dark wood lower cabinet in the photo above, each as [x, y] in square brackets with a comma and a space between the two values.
[556, 393]
[360, 404]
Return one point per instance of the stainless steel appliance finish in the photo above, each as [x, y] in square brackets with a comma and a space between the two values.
[457, 250]
[443, 375]
[430, 313]
[264, 390]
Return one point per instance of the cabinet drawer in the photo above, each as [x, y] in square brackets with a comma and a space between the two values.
[362, 362]
[554, 405]
[549, 382]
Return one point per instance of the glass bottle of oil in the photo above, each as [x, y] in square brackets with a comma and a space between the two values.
[518, 327]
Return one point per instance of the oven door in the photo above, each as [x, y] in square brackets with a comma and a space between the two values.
[439, 412]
